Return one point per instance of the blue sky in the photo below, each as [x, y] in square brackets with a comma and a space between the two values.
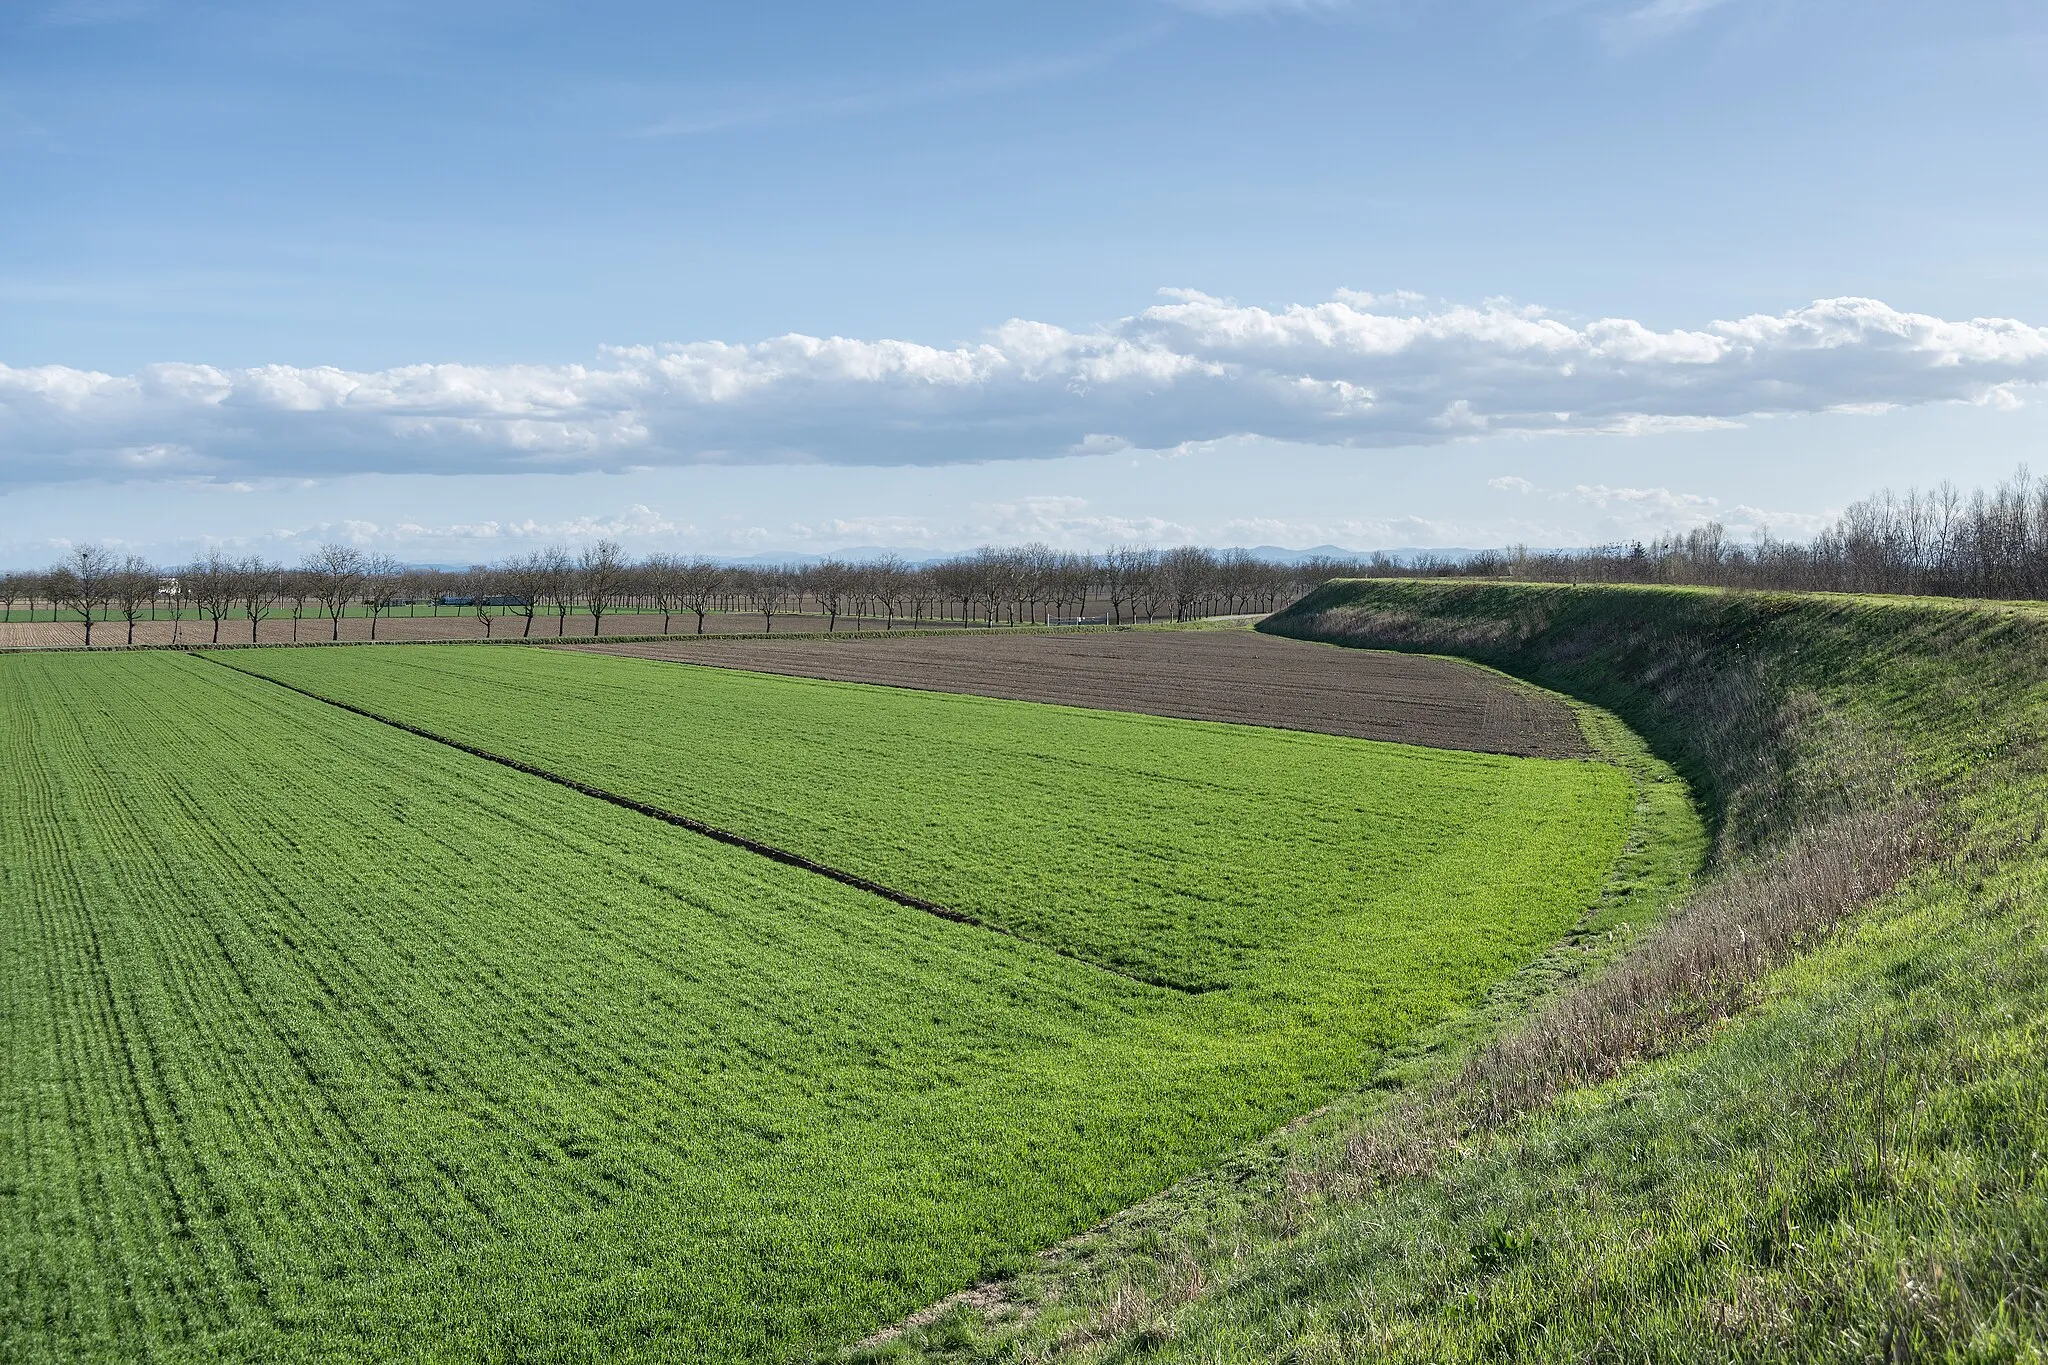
[449, 278]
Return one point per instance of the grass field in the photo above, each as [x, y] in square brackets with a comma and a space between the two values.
[326, 1041]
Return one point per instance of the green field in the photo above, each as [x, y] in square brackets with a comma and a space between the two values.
[1187, 854]
[327, 1041]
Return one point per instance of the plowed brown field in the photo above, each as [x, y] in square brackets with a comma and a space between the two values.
[1227, 675]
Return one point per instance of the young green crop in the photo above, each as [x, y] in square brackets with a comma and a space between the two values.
[325, 1041]
[1188, 854]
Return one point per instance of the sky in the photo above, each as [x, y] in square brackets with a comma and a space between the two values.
[451, 280]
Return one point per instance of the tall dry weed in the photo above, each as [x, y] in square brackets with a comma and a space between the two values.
[1698, 967]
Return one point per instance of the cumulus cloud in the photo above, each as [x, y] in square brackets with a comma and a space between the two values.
[1359, 371]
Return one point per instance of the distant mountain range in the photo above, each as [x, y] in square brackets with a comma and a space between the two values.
[916, 558]
[1275, 554]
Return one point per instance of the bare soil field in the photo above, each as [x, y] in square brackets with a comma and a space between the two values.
[450, 625]
[1225, 675]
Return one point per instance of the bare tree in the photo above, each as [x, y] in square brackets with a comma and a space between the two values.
[210, 584]
[171, 587]
[480, 585]
[258, 582]
[955, 581]
[992, 573]
[885, 579]
[829, 582]
[1146, 585]
[601, 571]
[526, 579]
[82, 582]
[381, 574]
[699, 583]
[559, 583]
[662, 577]
[768, 591]
[337, 572]
[1186, 574]
[297, 587]
[134, 588]
[1120, 573]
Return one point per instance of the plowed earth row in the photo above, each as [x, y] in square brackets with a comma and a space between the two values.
[1238, 676]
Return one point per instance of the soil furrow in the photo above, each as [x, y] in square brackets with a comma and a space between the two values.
[1236, 676]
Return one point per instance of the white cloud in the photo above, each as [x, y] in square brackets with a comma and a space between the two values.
[1641, 500]
[1623, 513]
[1354, 371]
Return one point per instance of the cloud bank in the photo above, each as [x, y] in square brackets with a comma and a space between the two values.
[1359, 371]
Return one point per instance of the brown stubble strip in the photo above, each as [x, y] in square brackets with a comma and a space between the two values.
[1238, 676]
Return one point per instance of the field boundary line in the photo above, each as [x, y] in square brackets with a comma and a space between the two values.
[713, 832]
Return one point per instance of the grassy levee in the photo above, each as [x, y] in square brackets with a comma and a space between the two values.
[1805, 1118]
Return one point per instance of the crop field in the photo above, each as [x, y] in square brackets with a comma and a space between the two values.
[323, 1040]
[1185, 854]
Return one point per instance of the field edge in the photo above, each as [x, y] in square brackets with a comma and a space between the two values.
[1060, 1298]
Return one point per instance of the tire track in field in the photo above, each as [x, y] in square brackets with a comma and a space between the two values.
[709, 831]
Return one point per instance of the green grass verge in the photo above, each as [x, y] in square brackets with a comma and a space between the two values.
[327, 1042]
[1847, 1163]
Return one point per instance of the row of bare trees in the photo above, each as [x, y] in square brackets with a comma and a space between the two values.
[1030, 584]
[1990, 543]
[95, 585]
[1940, 542]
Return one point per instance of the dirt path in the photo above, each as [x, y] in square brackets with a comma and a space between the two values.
[1227, 675]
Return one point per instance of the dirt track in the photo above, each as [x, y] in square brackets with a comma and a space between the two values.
[1226, 675]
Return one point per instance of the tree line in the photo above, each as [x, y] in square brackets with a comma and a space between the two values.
[1989, 543]
[1031, 584]
[1941, 542]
